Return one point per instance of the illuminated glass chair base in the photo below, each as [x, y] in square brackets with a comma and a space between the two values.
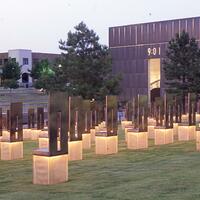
[197, 117]
[198, 139]
[184, 118]
[163, 135]
[105, 145]
[125, 123]
[75, 150]
[5, 135]
[102, 124]
[92, 132]
[126, 129]
[26, 134]
[96, 129]
[48, 170]
[35, 134]
[186, 132]
[86, 137]
[175, 129]
[11, 150]
[151, 131]
[136, 139]
[151, 121]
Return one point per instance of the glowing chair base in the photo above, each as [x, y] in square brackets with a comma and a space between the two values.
[48, 170]
[163, 136]
[175, 129]
[106, 145]
[125, 123]
[184, 118]
[75, 149]
[151, 121]
[86, 137]
[11, 150]
[26, 134]
[186, 132]
[35, 134]
[137, 140]
[128, 127]
[92, 132]
[198, 139]
[151, 132]
[197, 117]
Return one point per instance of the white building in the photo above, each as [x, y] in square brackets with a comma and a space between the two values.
[24, 58]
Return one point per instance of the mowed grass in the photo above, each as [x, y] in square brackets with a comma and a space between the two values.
[158, 173]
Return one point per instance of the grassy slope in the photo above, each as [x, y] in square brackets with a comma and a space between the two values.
[159, 173]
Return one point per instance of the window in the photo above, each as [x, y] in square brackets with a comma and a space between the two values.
[25, 61]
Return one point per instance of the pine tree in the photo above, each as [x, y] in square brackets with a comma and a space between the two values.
[86, 65]
[182, 65]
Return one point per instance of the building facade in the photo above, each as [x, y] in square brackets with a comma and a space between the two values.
[138, 52]
[26, 59]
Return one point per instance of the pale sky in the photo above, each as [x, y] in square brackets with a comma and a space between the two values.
[39, 24]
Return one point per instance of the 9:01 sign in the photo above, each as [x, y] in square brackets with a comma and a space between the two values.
[153, 51]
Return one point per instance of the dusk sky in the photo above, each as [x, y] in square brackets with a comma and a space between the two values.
[39, 24]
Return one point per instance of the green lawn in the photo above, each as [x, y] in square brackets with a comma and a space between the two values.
[159, 173]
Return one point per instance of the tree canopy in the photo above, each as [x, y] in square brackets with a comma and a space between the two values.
[182, 65]
[11, 73]
[40, 68]
[87, 65]
[47, 76]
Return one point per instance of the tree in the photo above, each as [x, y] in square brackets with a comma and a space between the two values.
[11, 73]
[86, 65]
[40, 67]
[182, 65]
[48, 77]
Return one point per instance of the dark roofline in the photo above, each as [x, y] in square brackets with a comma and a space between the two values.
[154, 22]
